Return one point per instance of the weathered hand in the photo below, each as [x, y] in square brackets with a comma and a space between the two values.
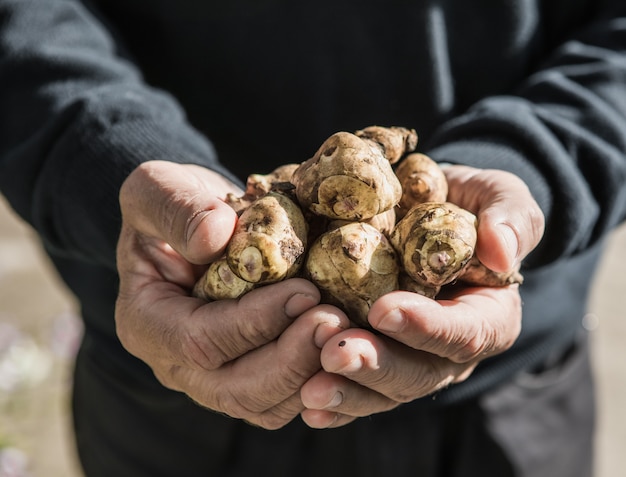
[429, 344]
[246, 358]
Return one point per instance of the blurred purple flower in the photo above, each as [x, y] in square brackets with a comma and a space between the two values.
[13, 463]
[66, 334]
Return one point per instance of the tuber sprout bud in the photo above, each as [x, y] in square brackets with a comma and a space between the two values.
[257, 185]
[477, 274]
[220, 283]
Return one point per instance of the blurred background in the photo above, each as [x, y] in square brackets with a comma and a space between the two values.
[40, 331]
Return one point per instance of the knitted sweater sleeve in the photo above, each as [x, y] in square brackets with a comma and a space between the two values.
[75, 119]
[563, 132]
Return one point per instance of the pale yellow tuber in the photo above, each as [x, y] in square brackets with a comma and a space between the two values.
[373, 230]
[435, 241]
[269, 240]
[422, 181]
[257, 185]
[385, 222]
[477, 274]
[348, 178]
[353, 265]
[220, 283]
[394, 142]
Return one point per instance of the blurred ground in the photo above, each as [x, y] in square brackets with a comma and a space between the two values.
[39, 325]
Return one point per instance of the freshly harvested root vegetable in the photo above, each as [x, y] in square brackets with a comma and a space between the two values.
[238, 203]
[257, 185]
[220, 283]
[385, 222]
[477, 274]
[269, 240]
[422, 181]
[435, 240]
[394, 141]
[353, 265]
[373, 230]
[348, 178]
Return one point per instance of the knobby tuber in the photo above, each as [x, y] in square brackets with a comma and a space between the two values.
[422, 180]
[258, 185]
[394, 142]
[476, 273]
[435, 240]
[220, 283]
[269, 240]
[353, 265]
[371, 229]
[385, 222]
[348, 178]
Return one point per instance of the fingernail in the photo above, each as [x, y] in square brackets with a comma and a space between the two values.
[194, 223]
[298, 304]
[322, 334]
[335, 401]
[510, 239]
[392, 322]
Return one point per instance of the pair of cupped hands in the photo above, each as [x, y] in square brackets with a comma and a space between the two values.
[277, 353]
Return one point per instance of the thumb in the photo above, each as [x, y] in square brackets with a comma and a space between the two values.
[510, 222]
[180, 204]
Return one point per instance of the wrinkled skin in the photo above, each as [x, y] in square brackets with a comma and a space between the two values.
[237, 357]
[275, 353]
[424, 344]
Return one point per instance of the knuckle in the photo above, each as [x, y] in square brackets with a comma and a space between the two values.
[271, 421]
[255, 332]
[293, 378]
[231, 404]
[281, 414]
[473, 347]
[122, 327]
[202, 353]
[168, 378]
[430, 379]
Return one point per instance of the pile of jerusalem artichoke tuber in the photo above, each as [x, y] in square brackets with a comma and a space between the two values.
[366, 215]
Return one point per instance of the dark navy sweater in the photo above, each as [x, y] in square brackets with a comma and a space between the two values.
[88, 90]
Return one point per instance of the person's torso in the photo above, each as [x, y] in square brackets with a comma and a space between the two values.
[268, 81]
